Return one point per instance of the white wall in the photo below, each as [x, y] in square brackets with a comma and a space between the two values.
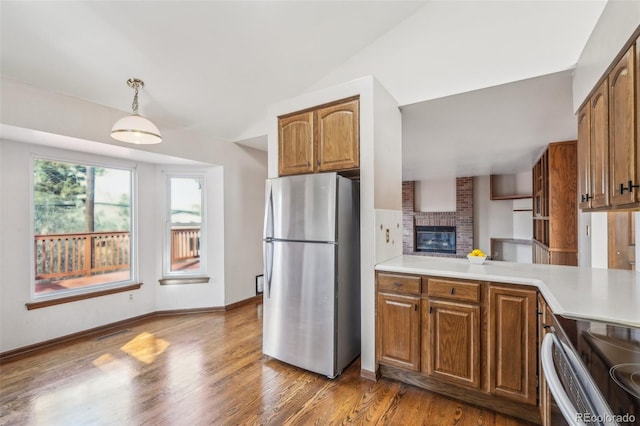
[239, 260]
[435, 195]
[380, 179]
[170, 297]
[584, 239]
[599, 240]
[387, 150]
[384, 181]
[523, 217]
[502, 218]
[490, 218]
[20, 327]
[619, 19]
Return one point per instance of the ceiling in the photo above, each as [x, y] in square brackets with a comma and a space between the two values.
[498, 130]
[214, 67]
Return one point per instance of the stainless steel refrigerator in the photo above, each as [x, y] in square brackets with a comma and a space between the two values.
[311, 298]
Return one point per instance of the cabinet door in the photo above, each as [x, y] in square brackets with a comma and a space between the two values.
[454, 342]
[398, 331]
[338, 137]
[512, 343]
[600, 145]
[295, 144]
[623, 173]
[584, 157]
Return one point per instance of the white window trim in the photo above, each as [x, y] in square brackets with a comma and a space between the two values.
[78, 158]
[187, 276]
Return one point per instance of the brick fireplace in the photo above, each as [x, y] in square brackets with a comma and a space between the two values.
[461, 219]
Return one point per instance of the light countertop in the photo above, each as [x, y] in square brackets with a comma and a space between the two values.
[609, 295]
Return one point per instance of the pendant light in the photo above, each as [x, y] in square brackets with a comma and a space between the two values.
[135, 128]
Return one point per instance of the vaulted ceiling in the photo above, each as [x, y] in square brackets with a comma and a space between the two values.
[214, 67]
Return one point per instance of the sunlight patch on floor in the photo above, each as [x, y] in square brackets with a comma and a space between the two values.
[145, 347]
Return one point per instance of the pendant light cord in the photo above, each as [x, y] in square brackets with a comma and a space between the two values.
[134, 105]
[135, 84]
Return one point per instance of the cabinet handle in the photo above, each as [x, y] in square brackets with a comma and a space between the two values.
[415, 307]
[397, 284]
[453, 290]
[630, 187]
[430, 309]
[308, 164]
[585, 197]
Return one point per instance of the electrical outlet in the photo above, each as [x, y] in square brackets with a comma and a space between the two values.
[130, 297]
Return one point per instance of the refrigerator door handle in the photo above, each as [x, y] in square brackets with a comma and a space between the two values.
[268, 266]
[268, 237]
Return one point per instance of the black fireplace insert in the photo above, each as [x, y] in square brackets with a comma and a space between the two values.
[436, 239]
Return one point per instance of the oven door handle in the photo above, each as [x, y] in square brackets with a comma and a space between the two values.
[555, 386]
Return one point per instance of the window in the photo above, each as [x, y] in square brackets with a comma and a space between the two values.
[185, 226]
[82, 225]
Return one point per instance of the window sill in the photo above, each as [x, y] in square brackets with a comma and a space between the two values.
[75, 298]
[184, 280]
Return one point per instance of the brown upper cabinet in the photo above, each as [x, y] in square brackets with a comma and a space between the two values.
[593, 149]
[609, 158]
[584, 156]
[624, 185]
[296, 143]
[325, 138]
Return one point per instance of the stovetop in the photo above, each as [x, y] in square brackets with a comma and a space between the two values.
[611, 353]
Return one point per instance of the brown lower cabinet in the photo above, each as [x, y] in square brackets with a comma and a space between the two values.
[453, 345]
[398, 319]
[513, 345]
[472, 340]
[399, 331]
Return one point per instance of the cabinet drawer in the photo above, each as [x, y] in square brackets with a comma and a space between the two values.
[454, 290]
[401, 283]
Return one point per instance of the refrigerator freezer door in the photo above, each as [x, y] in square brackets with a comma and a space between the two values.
[299, 310]
[304, 207]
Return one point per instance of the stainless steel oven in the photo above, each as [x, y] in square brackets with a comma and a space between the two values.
[593, 372]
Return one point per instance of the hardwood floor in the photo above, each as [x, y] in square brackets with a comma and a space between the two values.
[206, 369]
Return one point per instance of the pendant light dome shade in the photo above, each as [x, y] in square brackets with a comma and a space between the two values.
[135, 128]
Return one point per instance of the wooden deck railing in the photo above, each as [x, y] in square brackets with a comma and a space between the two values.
[62, 256]
[185, 244]
[72, 255]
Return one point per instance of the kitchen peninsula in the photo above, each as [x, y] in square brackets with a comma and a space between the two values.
[596, 294]
[473, 332]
